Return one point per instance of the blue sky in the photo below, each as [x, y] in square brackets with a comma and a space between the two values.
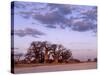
[74, 26]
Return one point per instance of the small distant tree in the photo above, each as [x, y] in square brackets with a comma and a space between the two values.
[89, 60]
[95, 59]
[77, 60]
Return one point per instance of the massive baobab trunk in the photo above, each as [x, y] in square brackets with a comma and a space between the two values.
[46, 55]
[37, 57]
[55, 59]
[46, 46]
[54, 48]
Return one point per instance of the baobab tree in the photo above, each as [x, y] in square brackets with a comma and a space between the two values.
[61, 53]
[34, 51]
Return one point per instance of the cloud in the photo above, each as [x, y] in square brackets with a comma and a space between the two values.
[90, 14]
[76, 17]
[51, 26]
[84, 21]
[87, 22]
[50, 18]
[28, 32]
[19, 4]
[25, 14]
[55, 16]
[62, 8]
[53, 20]
[82, 26]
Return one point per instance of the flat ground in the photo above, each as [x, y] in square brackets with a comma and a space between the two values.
[52, 68]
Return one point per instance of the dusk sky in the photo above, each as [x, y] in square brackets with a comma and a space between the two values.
[74, 26]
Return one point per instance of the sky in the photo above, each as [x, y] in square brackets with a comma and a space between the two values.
[74, 26]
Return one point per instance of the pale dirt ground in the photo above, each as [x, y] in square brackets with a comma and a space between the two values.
[66, 67]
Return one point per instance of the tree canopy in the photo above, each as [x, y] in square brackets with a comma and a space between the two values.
[46, 52]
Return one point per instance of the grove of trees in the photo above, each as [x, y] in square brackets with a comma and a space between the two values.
[45, 52]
